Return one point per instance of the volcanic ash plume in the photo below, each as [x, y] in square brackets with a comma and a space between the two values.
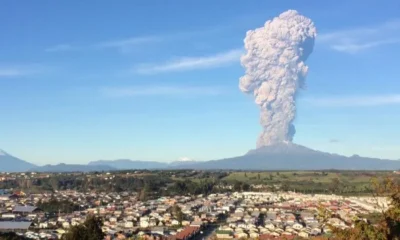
[275, 70]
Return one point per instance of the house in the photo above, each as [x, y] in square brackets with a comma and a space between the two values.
[152, 222]
[336, 222]
[144, 223]
[289, 229]
[25, 210]
[3, 192]
[162, 209]
[5, 197]
[19, 194]
[187, 233]
[175, 222]
[254, 235]
[271, 216]
[74, 223]
[196, 224]
[65, 225]
[286, 234]
[264, 231]
[315, 231]
[267, 236]
[43, 225]
[224, 234]
[269, 226]
[7, 226]
[307, 216]
[8, 216]
[158, 230]
[297, 226]
[241, 235]
[128, 224]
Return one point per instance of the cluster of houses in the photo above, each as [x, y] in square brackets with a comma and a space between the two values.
[288, 215]
[256, 215]
[122, 213]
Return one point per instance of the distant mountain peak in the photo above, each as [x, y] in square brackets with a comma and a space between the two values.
[10, 163]
[122, 164]
[185, 159]
[2, 153]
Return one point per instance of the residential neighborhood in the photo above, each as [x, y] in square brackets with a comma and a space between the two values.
[230, 215]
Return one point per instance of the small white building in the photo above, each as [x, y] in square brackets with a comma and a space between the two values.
[43, 225]
[128, 224]
[65, 225]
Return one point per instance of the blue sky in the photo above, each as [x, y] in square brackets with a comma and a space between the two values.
[82, 81]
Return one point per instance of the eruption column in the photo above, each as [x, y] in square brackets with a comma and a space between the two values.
[275, 71]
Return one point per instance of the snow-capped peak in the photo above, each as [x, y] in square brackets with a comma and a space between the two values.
[185, 159]
[2, 153]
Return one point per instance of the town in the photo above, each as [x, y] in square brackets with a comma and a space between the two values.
[253, 212]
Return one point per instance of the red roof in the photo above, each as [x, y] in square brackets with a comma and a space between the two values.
[271, 237]
[187, 232]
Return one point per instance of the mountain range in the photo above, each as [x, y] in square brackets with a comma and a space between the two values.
[62, 167]
[282, 156]
[125, 164]
[290, 156]
[10, 163]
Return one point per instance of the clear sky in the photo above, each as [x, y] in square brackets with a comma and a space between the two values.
[158, 80]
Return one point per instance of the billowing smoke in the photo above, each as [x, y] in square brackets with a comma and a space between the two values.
[275, 71]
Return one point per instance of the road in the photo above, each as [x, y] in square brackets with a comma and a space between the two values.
[207, 233]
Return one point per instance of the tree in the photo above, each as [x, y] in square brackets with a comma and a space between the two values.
[55, 206]
[245, 187]
[89, 230]
[335, 185]
[144, 193]
[285, 186]
[237, 186]
[177, 211]
[10, 236]
[388, 226]
[241, 186]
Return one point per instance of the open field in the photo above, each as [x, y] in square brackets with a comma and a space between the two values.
[339, 182]
[315, 176]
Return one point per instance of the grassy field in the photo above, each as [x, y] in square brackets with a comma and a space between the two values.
[342, 182]
[316, 176]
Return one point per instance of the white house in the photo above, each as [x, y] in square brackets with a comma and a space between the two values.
[8, 215]
[175, 222]
[128, 224]
[65, 225]
[303, 234]
[43, 225]
[297, 226]
[269, 226]
[241, 235]
[144, 223]
[254, 235]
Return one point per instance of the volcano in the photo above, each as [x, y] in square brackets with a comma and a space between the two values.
[10, 163]
[290, 156]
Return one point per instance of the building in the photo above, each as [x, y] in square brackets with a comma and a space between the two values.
[26, 210]
[8, 226]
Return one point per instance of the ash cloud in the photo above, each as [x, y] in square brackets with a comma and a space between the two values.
[275, 71]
